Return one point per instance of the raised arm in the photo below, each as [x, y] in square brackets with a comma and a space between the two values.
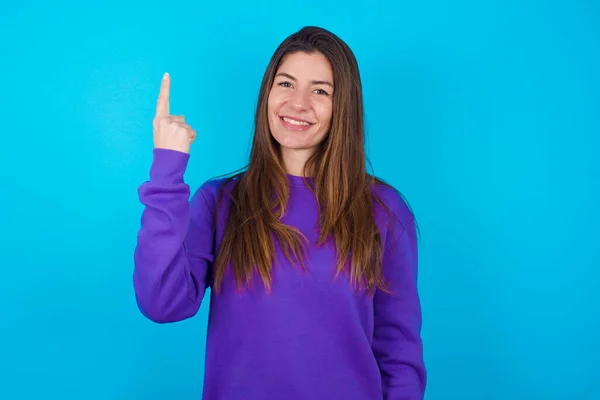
[174, 248]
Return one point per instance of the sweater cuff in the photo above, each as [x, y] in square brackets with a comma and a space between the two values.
[168, 166]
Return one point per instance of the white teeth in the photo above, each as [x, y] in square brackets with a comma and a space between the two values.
[294, 122]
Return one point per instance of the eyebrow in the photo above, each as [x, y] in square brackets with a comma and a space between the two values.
[313, 82]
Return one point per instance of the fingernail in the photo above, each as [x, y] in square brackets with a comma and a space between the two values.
[166, 75]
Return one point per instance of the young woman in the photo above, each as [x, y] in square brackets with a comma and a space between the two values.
[311, 261]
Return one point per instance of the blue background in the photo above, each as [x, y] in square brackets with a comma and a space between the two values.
[485, 114]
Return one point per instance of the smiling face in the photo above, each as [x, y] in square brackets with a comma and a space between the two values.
[300, 106]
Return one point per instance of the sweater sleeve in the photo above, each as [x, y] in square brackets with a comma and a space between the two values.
[174, 243]
[397, 341]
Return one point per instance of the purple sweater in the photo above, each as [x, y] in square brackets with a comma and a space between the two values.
[313, 337]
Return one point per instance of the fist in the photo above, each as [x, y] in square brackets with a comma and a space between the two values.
[170, 131]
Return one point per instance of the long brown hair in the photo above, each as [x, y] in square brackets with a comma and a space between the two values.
[342, 186]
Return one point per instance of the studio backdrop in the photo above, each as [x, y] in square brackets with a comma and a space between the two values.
[484, 114]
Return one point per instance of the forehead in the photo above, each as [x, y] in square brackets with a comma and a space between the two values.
[309, 66]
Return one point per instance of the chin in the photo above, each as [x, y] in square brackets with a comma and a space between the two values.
[294, 144]
[296, 140]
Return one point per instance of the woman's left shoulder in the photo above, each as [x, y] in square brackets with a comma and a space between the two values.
[389, 198]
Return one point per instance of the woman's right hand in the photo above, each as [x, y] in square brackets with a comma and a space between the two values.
[170, 131]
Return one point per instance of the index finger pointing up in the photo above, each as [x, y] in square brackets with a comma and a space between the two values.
[162, 106]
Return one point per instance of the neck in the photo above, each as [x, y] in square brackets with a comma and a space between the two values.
[295, 160]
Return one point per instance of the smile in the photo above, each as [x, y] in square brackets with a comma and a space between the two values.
[296, 125]
[295, 121]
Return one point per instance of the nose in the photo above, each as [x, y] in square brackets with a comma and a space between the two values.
[300, 100]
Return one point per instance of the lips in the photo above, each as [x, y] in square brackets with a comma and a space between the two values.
[295, 120]
[295, 124]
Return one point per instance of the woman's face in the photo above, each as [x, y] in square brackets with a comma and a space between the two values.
[300, 104]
